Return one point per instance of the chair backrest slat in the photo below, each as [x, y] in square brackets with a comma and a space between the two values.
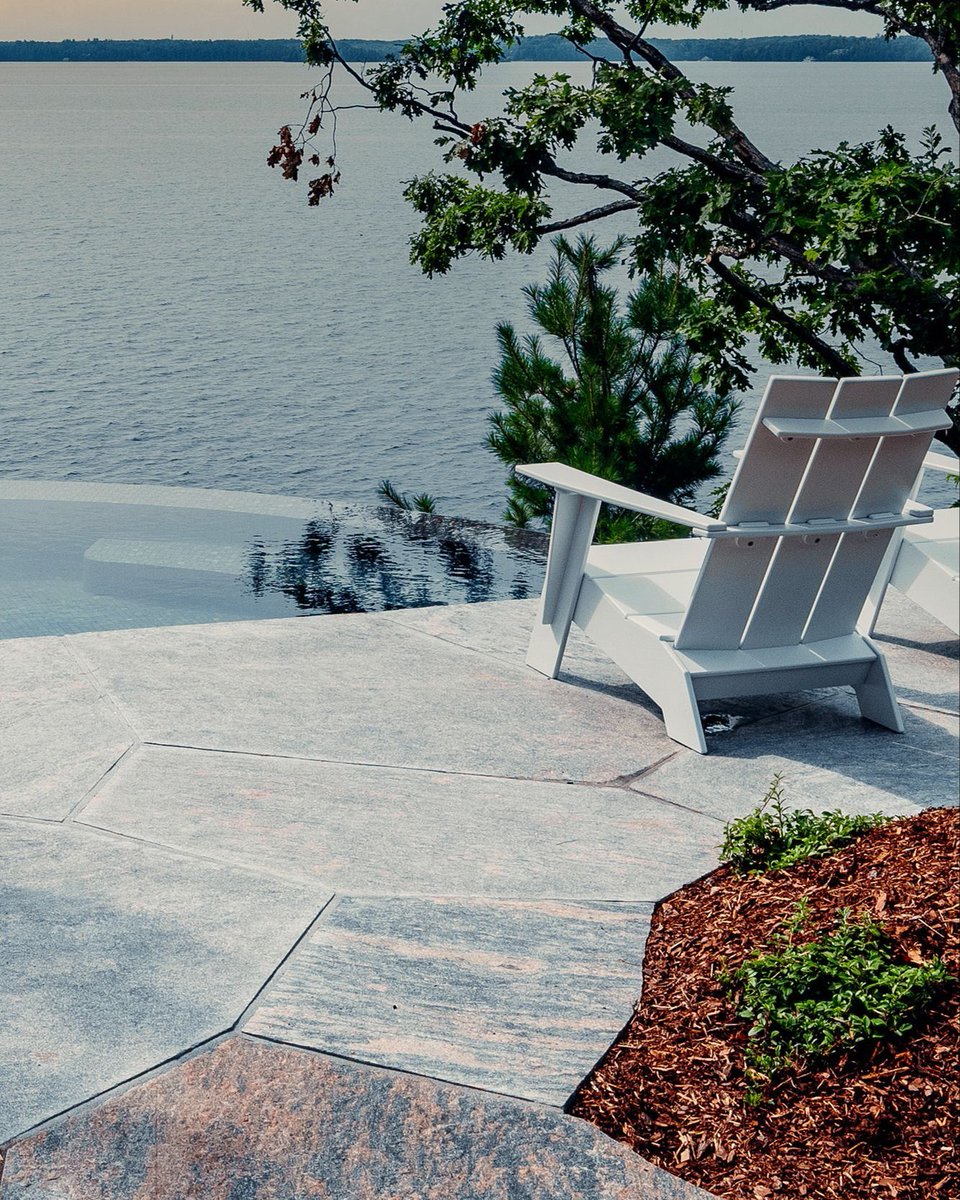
[828, 490]
[716, 615]
[838, 468]
[768, 475]
[899, 459]
[789, 591]
[847, 583]
[887, 487]
[763, 590]
[764, 488]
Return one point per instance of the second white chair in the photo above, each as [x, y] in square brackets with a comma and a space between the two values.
[923, 562]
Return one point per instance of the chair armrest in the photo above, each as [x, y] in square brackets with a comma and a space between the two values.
[940, 462]
[569, 479]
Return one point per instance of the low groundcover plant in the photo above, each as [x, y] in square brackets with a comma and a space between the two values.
[807, 999]
[771, 837]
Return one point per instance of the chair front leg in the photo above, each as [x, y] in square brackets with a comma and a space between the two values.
[681, 713]
[877, 699]
[574, 522]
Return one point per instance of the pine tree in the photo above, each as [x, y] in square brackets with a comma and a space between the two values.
[630, 409]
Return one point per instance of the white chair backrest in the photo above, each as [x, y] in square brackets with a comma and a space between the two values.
[819, 451]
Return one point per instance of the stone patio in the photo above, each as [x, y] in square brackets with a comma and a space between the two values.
[347, 906]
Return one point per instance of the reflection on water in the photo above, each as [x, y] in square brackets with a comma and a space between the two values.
[81, 557]
[406, 561]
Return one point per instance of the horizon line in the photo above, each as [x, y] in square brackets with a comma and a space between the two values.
[777, 37]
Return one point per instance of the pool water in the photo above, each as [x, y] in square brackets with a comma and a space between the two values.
[81, 557]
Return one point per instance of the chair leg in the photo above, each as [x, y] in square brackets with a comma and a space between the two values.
[681, 714]
[574, 520]
[877, 699]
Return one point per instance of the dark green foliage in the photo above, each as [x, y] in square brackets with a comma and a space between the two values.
[623, 403]
[459, 214]
[771, 837]
[815, 262]
[874, 202]
[809, 999]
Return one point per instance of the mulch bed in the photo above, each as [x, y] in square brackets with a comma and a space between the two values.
[877, 1122]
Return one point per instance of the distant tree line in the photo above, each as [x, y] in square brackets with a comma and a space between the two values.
[548, 48]
[819, 47]
[165, 50]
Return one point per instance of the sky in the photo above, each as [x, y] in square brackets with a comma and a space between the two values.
[52, 20]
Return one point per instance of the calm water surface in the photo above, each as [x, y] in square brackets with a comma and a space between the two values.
[174, 314]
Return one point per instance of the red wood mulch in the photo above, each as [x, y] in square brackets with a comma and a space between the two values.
[878, 1122]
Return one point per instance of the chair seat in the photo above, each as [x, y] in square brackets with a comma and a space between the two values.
[927, 569]
[940, 538]
[648, 579]
[650, 583]
[851, 648]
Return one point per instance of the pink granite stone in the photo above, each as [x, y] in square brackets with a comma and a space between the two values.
[251, 1121]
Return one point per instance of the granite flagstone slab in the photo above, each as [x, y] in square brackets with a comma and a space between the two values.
[252, 1121]
[381, 830]
[502, 629]
[118, 955]
[358, 689]
[58, 733]
[518, 997]
[923, 655]
[829, 757]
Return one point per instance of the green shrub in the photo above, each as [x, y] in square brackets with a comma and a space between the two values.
[807, 1000]
[623, 398]
[770, 837]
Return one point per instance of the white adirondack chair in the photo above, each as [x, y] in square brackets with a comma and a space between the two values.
[767, 597]
[923, 563]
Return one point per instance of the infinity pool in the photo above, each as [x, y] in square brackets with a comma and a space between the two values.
[77, 557]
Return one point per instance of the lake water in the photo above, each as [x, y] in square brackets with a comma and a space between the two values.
[174, 314]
